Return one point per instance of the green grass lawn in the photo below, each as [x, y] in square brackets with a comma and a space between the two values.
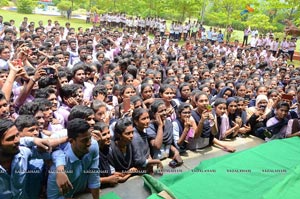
[7, 15]
[296, 63]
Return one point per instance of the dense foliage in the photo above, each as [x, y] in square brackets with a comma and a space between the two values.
[267, 15]
[26, 6]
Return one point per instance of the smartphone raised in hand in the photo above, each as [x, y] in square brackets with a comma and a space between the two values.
[126, 104]
[209, 107]
[109, 98]
[49, 71]
[247, 97]
[287, 97]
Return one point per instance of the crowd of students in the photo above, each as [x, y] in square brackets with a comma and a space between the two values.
[86, 109]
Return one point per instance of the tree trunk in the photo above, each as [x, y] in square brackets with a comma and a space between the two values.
[202, 12]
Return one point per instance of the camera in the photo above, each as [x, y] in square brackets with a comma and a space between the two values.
[49, 71]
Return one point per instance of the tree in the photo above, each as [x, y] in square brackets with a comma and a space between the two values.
[3, 3]
[273, 8]
[26, 6]
[202, 12]
[187, 8]
[64, 6]
[227, 10]
[261, 22]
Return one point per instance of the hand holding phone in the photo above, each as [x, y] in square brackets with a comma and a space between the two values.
[247, 97]
[262, 107]
[126, 104]
[109, 98]
[287, 97]
[49, 71]
[209, 108]
[17, 63]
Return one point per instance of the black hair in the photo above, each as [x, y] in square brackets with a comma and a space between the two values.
[5, 125]
[100, 126]
[239, 99]
[283, 104]
[99, 89]
[25, 121]
[164, 87]
[44, 92]
[137, 113]
[78, 67]
[2, 96]
[131, 69]
[239, 85]
[145, 85]
[219, 101]
[81, 48]
[154, 107]
[47, 81]
[127, 76]
[121, 125]
[146, 79]
[218, 83]
[96, 104]
[3, 71]
[69, 90]
[197, 95]
[77, 126]
[30, 108]
[43, 103]
[183, 106]
[183, 85]
[149, 71]
[169, 80]
[80, 111]
[125, 87]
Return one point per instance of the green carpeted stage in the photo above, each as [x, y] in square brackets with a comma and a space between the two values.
[268, 171]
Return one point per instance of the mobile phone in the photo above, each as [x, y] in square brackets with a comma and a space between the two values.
[209, 107]
[49, 71]
[126, 104]
[287, 97]
[109, 98]
[263, 107]
[17, 62]
[247, 97]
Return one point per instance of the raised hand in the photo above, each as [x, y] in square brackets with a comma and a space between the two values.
[42, 144]
[158, 120]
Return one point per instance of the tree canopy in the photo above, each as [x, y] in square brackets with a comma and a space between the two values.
[268, 14]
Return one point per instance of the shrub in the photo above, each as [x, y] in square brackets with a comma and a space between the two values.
[64, 6]
[3, 3]
[26, 6]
